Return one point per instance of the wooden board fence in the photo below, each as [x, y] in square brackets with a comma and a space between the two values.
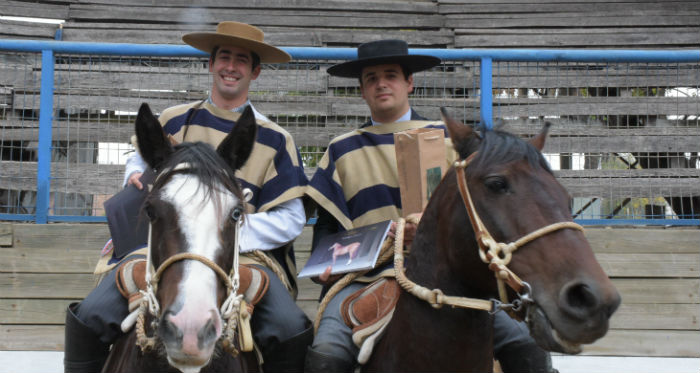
[43, 268]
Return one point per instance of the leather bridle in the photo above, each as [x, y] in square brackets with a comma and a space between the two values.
[496, 254]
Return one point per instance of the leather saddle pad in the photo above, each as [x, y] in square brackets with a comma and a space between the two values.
[131, 278]
[368, 310]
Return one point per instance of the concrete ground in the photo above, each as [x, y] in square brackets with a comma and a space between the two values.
[52, 362]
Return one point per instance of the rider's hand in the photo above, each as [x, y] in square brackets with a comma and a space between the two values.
[326, 278]
[409, 229]
[134, 180]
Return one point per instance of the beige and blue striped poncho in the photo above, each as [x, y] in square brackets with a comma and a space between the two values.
[274, 171]
[357, 179]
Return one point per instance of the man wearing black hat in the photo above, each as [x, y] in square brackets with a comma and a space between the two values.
[275, 175]
[348, 199]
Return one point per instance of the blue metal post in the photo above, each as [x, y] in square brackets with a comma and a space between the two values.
[43, 176]
[486, 99]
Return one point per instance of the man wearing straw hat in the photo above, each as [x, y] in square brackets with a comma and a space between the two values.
[274, 173]
[349, 199]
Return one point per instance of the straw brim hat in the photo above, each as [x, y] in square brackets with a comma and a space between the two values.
[239, 35]
[382, 52]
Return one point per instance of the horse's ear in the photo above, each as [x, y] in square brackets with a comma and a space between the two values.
[237, 146]
[463, 137]
[153, 144]
[538, 141]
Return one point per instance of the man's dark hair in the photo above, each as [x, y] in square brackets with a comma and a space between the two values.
[255, 57]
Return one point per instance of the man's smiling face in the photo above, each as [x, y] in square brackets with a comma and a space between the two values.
[232, 70]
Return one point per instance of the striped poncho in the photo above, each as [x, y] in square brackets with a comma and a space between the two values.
[274, 171]
[357, 179]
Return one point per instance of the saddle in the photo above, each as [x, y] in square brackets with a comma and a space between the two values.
[131, 279]
[368, 311]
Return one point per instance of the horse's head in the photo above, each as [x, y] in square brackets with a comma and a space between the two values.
[515, 193]
[193, 208]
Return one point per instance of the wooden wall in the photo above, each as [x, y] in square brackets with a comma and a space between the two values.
[46, 267]
[600, 109]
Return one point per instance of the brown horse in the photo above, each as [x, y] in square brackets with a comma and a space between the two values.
[194, 209]
[515, 193]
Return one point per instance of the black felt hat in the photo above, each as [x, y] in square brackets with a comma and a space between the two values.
[382, 52]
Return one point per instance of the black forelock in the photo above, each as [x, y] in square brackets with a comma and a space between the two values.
[503, 147]
[204, 163]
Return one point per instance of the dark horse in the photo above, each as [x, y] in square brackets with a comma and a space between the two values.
[194, 209]
[515, 193]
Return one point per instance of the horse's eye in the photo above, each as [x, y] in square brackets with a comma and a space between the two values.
[150, 212]
[236, 214]
[497, 184]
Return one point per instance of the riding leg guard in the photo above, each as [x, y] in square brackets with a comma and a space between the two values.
[84, 351]
[288, 356]
[525, 358]
[318, 362]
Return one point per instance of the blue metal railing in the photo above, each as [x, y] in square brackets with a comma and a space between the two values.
[486, 57]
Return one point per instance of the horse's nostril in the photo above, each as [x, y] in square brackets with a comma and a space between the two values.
[579, 299]
[168, 331]
[207, 334]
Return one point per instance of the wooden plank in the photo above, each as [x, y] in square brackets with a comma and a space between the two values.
[30, 9]
[646, 240]
[657, 316]
[286, 36]
[650, 265]
[413, 6]
[26, 30]
[633, 173]
[46, 285]
[34, 311]
[6, 237]
[195, 79]
[62, 236]
[31, 337]
[639, 187]
[572, 127]
[553, 39]
[658, 290]
[108, 130]
[49, 260]
[578, 7]
[460, 20]
[258, 17]
[621, 144]
[678, 343]
[105, 178]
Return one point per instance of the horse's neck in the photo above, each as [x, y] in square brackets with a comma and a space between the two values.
[438, 336]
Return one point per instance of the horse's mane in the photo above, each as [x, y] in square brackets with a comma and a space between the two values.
[204, 164]
[499, 147]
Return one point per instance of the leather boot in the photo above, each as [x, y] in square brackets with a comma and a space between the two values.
[288, 356]
[84, 352]
[318, 362]
[525, 358]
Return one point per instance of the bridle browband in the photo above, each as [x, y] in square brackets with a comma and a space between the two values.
[230, 308]
[496, 254]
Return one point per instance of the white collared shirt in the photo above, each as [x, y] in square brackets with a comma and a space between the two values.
[403, 118]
